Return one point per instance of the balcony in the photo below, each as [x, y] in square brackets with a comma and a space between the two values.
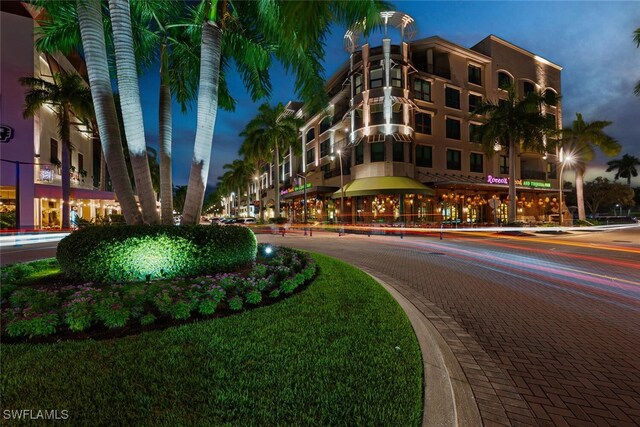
[533, 174]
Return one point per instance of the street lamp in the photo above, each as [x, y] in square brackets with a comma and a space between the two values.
[340, 231]
[564, 160]
[304, 210]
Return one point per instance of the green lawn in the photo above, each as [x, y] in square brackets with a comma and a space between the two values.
[341, 352]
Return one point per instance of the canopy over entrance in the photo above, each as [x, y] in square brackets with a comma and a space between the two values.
[383, 185]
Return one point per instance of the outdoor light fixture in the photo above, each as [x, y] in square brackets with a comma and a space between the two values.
[268, 250]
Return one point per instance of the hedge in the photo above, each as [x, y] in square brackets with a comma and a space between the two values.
[107, 254]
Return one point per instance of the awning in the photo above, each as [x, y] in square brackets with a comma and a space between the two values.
[383, 185]
[400, 137]
[55, 192]
[315, 190]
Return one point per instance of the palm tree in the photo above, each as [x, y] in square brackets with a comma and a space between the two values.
[132, 107]
[61, 32]
[69, 97]
[582, 139]
[257, 153]
[624, 167]
[276, 132]
[240, 174]
[296, 30]
[514, 124]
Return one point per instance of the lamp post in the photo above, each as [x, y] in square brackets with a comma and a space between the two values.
[341, 231]
[564, 160]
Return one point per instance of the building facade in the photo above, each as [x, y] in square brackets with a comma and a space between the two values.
[395, 144]
[31, 149]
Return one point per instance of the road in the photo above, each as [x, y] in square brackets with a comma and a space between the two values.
[546, 328]
[27, 252]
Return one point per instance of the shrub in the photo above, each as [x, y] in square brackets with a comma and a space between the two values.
[15, 273]
[118, 254]
[30, 323]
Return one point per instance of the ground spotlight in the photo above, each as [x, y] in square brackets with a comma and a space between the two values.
[268, 250]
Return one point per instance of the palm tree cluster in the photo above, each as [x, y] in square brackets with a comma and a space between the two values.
[131, 34]
[268, 138]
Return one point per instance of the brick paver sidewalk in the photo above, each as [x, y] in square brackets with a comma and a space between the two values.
[533, 354]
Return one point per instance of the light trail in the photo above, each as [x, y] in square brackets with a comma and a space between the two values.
[617, 290]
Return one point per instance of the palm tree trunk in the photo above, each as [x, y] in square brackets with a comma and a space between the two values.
[248, 196]
[580, 193]
[65, 169]
[91, 30]
[165, 138]
[206, 118]
[512, 182]
[277, 204]
[132, 108]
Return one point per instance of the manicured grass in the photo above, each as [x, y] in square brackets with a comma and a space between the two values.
[342, 352]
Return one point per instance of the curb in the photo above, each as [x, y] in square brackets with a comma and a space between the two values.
[448, 398]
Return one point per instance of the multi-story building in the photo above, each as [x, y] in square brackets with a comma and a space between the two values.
[34, 142]
[400, 121]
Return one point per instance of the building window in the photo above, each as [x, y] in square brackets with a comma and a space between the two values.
[552, 120]
[287, 168]
[377, 152]
[423, 123]
[476, 162]
[453, 128]
[396, 77]
[377, 114]
[376, 78]
[325, 125]
[528, 88]
[422, 90]
[474, 102]
[474, 135]
[504, 80]
[54, 151]
[475, 75]
[424, 156]
[80, 162]
[311, 134]
[398, 152]
[360, 154]
[550, 97]
[453, 160]
[504, 165]
[452, 98]
[357, 122]
[358, 83]
[552, 171]
[311, 155]
[396, 113]
[326, 169]
[324, 148]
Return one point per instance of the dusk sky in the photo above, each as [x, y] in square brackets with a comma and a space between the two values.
[592, 41]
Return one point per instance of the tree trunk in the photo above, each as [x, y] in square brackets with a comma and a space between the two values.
[513, 205]
[580, 193]
[132, 108]
[65, 169]
[277, 200]
[165, 138]
[248, 197]
[91, 30]
[206, 118]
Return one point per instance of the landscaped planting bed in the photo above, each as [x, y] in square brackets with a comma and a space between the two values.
[340, 353]
[39, 308]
